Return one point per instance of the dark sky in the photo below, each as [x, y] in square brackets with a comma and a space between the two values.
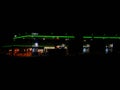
[59, 20]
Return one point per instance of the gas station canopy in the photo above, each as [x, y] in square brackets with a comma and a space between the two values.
[43, 36]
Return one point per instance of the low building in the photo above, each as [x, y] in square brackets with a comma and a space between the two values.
[38, 45]
[35, 44]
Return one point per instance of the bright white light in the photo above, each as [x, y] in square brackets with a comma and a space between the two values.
[33, 50]
[57, 46]
[63, 45]
[36, 44]
[88, 45]
[34, 33]
[84, 50]
[30, 49]
[49, 47]
[111, 45]
[43, 38]
[15, 35]
[106, 50]
[109, 48]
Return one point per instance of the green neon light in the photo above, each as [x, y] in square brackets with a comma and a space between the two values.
[43, 36]
[70, 37]
[87, 36]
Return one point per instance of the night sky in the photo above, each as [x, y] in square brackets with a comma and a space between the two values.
[58, 20]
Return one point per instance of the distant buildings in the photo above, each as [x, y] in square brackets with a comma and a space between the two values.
[35, 44]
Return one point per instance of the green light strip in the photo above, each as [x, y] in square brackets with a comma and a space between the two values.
[43, 36]
[87, 36]
[53, 37]
[101, 37]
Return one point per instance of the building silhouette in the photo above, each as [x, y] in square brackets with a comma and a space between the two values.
[35, 44]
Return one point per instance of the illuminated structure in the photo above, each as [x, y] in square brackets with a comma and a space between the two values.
[44, 45]
[102, 44]
[39, 45]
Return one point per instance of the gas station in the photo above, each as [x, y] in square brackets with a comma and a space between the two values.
[35, 44]
[38, 45]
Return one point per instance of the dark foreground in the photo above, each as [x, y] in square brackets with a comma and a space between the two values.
[46, 65]
[63, 60]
